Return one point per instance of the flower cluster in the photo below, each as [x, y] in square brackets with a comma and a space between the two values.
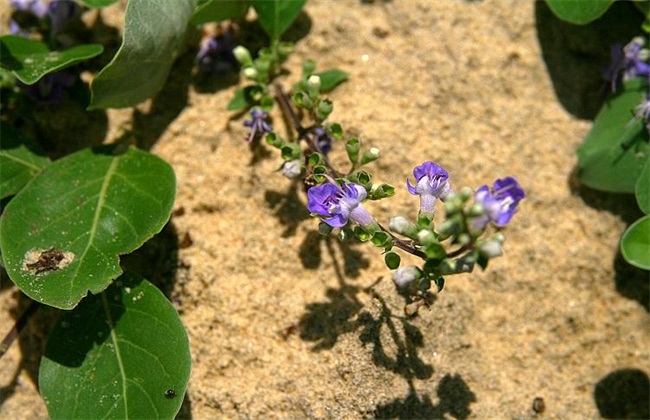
[456, 246]
[258, 125]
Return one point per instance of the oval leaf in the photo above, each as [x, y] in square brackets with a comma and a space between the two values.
[122, 354]
[63, 233]
[635, 243]
[579, 12]
[276, 16]
[218, 10]
[21, 159]
[30, 60]
[153, 33]
[615, 150]
[642, 189]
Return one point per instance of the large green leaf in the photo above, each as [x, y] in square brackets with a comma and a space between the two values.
[615, 150]
[218, 10]
[153, 33]
[61, 235]
[30, 60]
[579, 12]
[635, 243]
[21, 159]
[642, 189]
[122, 354]
[276, 16]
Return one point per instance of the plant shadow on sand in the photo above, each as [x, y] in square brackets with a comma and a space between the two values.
[343, 313]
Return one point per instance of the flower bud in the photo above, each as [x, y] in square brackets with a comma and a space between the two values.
[292, 168]
[400, 225]
[426, 237]
[242, 55]
[250, 73]
[490, 248]
[406, 275]
[465, 193]
[313, 85]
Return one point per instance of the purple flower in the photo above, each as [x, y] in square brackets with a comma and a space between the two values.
[36, 7]
[257, 124]
[499, 203]
[432, 182]
[323, 139]
[336, 205]
[216, 53]
[628, 61]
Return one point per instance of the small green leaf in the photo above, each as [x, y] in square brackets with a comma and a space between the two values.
[315, 159]
[635, 243]
[121, 354]
[153, 33]
[241, 100]
[30, 60]
[579, 12]
[218, 10]
[381, 191]
[614, 151]
[642, 189]
[335, 130]
[276, 16]
[330, 79]
[21, 159]
[61, 235]
[96, 4]
[392, 260]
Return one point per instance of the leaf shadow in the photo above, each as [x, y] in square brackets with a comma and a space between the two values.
[630, 282]
[577, 55]
[454, 395]
[165, 106]
[623, 394]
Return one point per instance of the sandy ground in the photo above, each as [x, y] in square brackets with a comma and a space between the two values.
[286, 324]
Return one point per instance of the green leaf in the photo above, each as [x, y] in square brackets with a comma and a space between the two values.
[276, 16]
[153, 33]
[579, 12]
[121, 354]
[329, 79]
[30, 60]
[635, 243]
[61, 235]
[21, 159]
[218, 10]
[96, 4]
[642, 188]
[614, 151]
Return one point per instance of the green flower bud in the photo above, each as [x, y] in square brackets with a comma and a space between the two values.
[426, 237]
[313, 85]
[243, 55]
[250, 73]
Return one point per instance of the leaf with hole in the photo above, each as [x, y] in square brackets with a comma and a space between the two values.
[21, 159]
[153, 33]
[61, 235]
[30, 60]
[121, 354]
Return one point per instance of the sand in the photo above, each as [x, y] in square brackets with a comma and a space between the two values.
[284, 323]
